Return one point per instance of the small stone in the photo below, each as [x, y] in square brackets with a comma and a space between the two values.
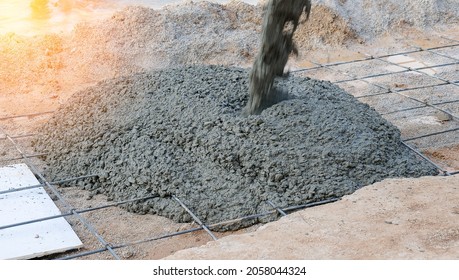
[278, 177]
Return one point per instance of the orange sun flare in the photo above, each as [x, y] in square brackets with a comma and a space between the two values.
[32, 17]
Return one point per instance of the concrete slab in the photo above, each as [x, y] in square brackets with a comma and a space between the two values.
[36, 239]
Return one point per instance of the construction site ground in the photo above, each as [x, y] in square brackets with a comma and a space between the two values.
[393, 219]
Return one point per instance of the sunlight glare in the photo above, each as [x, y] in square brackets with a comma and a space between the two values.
[32, 17]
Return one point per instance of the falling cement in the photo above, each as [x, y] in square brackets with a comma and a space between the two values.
[180, 132]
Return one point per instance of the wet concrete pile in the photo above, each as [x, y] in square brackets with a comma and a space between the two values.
[181, 132]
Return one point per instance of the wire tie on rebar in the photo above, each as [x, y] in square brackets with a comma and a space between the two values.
[194, 217]
[276, 208]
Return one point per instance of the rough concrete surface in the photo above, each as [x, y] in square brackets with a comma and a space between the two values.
[393, 219]
[180, 132]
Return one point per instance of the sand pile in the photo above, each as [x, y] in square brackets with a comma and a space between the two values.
[180, 132]
[370, 18]
[26, 64]
[197, 32]
[136, 39]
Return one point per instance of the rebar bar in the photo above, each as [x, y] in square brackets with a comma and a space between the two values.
[450, 39]
[389, 90]
[123, 245]
[26, 115]
[405, 70]
[431, 134]
[22, 157]
[439, 168]
[195, 217]
[52, 183]
[74, 211]
[419, 107]
[19, 136]
[371, 57]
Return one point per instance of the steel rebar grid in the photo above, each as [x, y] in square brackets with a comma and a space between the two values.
[417, 70]
[406, 70]
[249, 217]
[419, 107]
[59, 196]
[373, 57]
[390, 90]
[211, 225]
[72, 211]
[431, 76]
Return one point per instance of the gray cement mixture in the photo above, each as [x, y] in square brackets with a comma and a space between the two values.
[181, 132]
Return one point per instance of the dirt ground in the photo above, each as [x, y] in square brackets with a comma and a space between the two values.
[393, 219]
